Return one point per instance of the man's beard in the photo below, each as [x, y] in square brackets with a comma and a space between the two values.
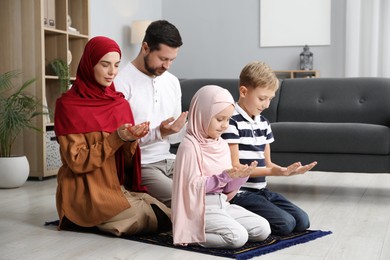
[152, 71]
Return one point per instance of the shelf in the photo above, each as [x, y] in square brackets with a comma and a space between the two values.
[29, 45]
[293, 74]
[50, 30]
[76, 48]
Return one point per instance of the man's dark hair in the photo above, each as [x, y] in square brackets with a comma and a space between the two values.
[162, 32]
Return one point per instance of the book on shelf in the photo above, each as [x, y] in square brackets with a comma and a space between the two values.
[51, 12]
[45, 12]
[73, 30]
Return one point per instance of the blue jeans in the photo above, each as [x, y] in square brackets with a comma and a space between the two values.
[284, 217]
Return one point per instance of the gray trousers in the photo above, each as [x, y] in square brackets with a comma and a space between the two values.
[157, 177]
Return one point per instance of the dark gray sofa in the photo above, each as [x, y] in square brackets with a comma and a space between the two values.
[343, 123]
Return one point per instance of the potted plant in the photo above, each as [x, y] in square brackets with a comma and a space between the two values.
[17, 109]
[61, 69]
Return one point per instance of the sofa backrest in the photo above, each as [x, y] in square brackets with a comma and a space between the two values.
[190, 86]
[358, 100]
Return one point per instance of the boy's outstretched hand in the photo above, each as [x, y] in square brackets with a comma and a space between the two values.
[293, 169]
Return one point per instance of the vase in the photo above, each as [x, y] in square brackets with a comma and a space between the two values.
[14, 171]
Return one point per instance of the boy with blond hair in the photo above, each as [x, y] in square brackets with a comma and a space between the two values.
[249, 136]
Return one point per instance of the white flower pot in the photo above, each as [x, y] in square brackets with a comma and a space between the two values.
[14, 171]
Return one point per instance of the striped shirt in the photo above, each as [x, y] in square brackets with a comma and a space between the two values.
[251, 135]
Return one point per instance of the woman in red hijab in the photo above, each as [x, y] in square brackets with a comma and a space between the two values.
[99, 181]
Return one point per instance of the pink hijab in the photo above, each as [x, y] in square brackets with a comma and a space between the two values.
[198, 157]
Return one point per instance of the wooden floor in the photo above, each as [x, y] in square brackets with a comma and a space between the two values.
[354, 206]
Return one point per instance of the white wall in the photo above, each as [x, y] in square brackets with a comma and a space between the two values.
[219, 36]
[113, 19]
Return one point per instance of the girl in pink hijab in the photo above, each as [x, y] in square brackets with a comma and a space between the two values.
[204, 180]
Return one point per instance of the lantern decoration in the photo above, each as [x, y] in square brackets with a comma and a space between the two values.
[306, 59]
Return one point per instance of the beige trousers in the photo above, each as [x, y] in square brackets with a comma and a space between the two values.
[138, 219]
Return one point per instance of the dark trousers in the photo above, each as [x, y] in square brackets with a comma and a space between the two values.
[284, 217]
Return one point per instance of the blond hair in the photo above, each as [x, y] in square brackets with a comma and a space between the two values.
[258, 74]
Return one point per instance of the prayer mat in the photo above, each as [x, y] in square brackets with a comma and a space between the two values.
[249, 250]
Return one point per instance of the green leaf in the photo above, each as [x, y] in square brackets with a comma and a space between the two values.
[16, 110]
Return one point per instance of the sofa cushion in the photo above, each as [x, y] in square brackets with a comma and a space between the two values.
[334, 100]
[344, 138]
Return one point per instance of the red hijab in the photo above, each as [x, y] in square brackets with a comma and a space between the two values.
[90, 107]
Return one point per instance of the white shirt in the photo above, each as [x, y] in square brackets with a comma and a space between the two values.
[153, 99]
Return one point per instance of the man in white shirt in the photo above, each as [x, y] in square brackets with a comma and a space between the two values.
[154, 95]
